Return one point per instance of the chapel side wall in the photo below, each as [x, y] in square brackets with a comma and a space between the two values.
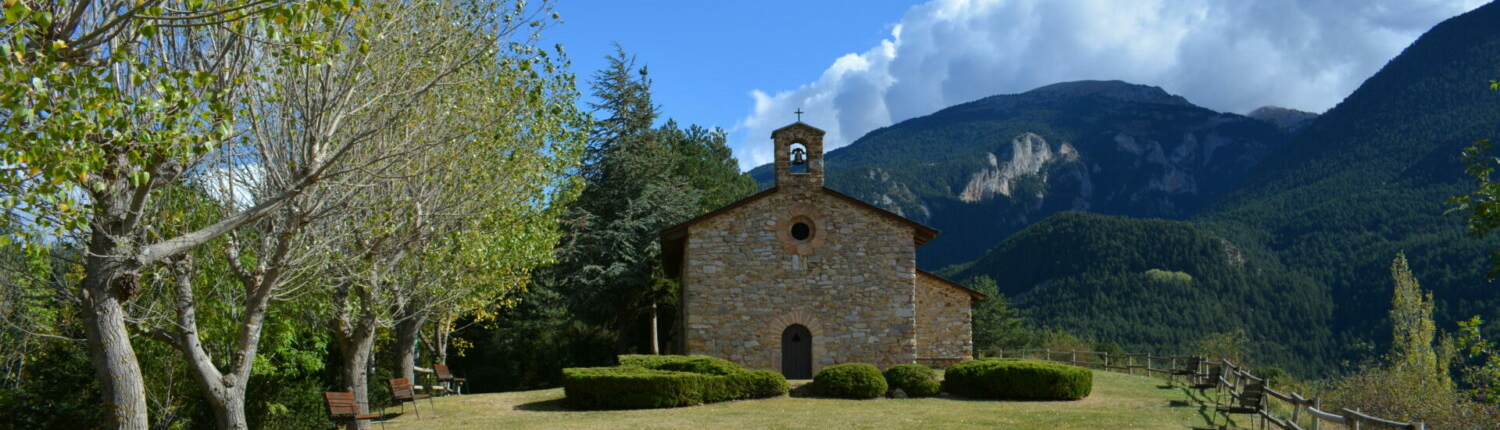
[855, 291]
[944, 324]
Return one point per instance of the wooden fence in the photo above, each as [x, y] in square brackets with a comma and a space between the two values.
[1233, 378]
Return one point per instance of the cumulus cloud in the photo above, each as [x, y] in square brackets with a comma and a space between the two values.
[1224, 55]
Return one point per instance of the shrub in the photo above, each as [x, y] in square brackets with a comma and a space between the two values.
[1404, 394]
[850, 381]
[914, 379]
[1018, 379]
[667, 381]
[760, 384]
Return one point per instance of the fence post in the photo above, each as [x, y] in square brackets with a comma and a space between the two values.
[1317, 403]
[1073, 358]
[1297, 406]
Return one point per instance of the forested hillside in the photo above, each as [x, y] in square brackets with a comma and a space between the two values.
[1369, 179]
[1157, 285]
[1317, 224]
[982, 170]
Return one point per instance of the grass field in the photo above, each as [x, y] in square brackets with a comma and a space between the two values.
[1118, 402]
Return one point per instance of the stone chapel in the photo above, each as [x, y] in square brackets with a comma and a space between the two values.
[800, 277]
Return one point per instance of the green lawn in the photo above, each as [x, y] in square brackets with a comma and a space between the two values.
[1118, 402]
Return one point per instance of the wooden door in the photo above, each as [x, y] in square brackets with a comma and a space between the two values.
[796, 352]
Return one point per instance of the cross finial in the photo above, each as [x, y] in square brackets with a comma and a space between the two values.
[799, 113]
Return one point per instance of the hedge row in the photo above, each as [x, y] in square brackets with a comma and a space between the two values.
[1018, 379]
[667, 381]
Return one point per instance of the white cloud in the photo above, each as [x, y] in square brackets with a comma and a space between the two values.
[1225, 55]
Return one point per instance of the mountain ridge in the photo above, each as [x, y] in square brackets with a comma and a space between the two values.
[1100, 146]
[1324, 216]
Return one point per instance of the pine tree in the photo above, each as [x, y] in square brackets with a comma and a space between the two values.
[996, 324]
[639, 179]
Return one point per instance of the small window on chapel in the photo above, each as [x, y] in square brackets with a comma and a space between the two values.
[802, 231]
[798, 161]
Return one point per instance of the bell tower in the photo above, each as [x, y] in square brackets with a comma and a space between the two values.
[799, 155]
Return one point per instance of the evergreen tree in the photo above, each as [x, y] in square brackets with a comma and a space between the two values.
[607, 290]
[996, 325]
[611, 253]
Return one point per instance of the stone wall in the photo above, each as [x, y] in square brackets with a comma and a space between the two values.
[852, 284]
[943, 320]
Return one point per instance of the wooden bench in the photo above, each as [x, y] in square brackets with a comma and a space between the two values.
[1249, 401]
[1192, 369]
[424, 373]
[342, 408]
[1210, 380]
[445, 376]
[402, 393]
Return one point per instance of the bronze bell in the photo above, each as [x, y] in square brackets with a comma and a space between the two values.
[799, 156]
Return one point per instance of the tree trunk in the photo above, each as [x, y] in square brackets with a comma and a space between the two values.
[438, 345]
[112, 277]
[655, 333]
[114, 359]
[356, 351]
[356, 339]
[407, 330]
[229, 410]
[225, 392]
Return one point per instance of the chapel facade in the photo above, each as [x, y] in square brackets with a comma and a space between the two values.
[800, 277]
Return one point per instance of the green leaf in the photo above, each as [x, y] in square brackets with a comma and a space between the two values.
[14, 12]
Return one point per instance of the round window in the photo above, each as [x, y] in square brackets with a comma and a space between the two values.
[801, 230]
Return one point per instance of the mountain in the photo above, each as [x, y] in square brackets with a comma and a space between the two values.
[1368, 179]
[1291, 120]
[1317, 224]
[983, 170]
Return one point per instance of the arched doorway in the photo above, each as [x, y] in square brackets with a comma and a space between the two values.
[796, 352]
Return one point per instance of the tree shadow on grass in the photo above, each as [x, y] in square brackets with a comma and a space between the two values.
[554, 405]
[1203, 401]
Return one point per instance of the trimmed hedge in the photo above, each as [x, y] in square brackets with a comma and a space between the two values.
[667, 381]
[914, 379]
[1018, 380]
[850, 381]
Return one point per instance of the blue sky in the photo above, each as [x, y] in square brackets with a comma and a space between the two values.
[859, 65]
[707, 56]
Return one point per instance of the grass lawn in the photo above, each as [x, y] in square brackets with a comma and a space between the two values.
[1118, 401]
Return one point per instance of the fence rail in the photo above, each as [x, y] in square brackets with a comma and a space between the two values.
[1232, 378]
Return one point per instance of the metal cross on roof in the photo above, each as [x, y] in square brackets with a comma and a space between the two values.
[799, 113]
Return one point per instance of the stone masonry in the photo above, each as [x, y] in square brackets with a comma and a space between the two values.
[851, 277]
[944, 326]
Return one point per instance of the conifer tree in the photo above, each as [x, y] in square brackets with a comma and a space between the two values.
[996, 324]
